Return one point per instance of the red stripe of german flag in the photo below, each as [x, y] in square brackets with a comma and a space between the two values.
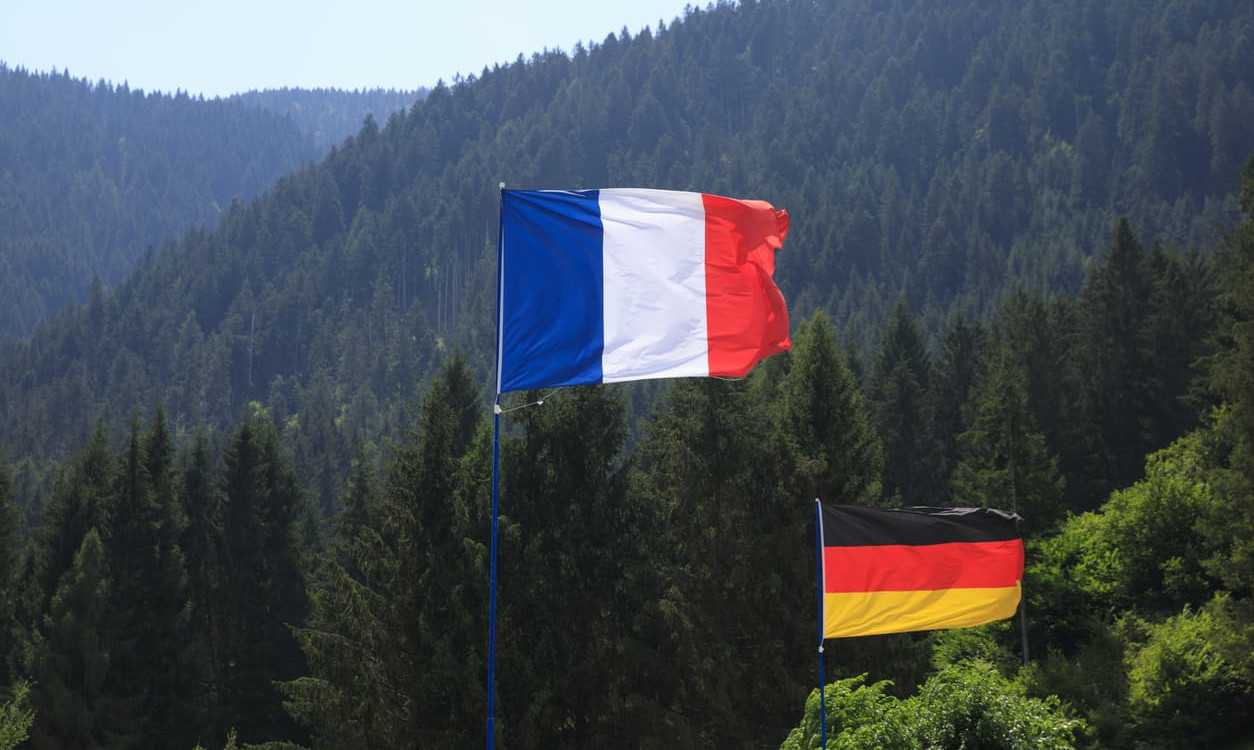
[898, 570]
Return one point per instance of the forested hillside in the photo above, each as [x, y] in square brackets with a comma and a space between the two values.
[330, 115]
[95, 176]
[1020, 276]
[940, 155]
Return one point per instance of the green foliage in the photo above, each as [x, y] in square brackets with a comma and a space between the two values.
[849, 704]
[97, 175]
[10, 546]
[392, 642]
[839, 455]
[972, 706]
[1231, 378]
[69, 659]
[898, 394]
[331, 115]
[1142, 552]
[967, 705]
[1185, 688]
[1005, 463]
[15, 718]
[984, 643]
[1091, 679]
[264, 571]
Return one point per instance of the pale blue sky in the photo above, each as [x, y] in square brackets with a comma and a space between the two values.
[220, 47]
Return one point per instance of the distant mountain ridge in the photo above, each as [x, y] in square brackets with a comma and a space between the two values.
[95, 175]
[331, 115]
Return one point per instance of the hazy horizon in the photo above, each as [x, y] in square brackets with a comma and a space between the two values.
[242, 46]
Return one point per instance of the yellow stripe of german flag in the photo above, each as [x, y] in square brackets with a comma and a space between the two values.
[879, 612]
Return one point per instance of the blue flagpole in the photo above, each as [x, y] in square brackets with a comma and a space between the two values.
[496, 468]
[496, 475]
[818, 540]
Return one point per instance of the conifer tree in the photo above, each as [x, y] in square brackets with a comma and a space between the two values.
[358, 504]
[263, 583]
[79, 502]
[838, 457]
[68, 657]
[900, 379]
[147, 599]
[391, 645]
[61, 645]
[962, 346]
[824, 412]
[1176, 338]
[733, 606]
[1041, 338]
[204, 639]
[1005, 463]
[567, 543]
[1231, 378]
[10, 547]
[1115, 392]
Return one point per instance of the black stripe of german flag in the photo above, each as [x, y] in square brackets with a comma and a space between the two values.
[903, 569]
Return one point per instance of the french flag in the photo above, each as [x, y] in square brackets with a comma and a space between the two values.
[603, 286]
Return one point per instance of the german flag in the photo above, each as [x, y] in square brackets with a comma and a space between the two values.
[902, 569]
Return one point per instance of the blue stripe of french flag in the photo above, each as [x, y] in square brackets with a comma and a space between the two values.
[600, 286]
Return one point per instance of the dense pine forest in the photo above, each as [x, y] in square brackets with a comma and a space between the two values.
[244, 495]
[330, 115]
[95, 176]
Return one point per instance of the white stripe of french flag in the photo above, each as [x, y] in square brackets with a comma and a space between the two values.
[602, 286]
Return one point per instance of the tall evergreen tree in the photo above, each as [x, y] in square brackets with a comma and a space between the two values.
[68, 656]
[1231, 378]
[204, 640]
[836, 457]
[1005, 463]
[567, 548]
[735, 606]
[898, 391]
[962, 349]
[824, 412]
[80, 502]
[1041, 338]
[263, 588]
[1114, 307]
[145, 616]
[10, 547]
[1176, 338]
[392, 647]
[62, 612]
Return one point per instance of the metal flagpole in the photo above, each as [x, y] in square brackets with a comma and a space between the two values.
[496, 481]
[818, 539]
[1014, 506]
[496, 476]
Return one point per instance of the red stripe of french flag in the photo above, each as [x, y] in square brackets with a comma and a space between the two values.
[746, 314]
